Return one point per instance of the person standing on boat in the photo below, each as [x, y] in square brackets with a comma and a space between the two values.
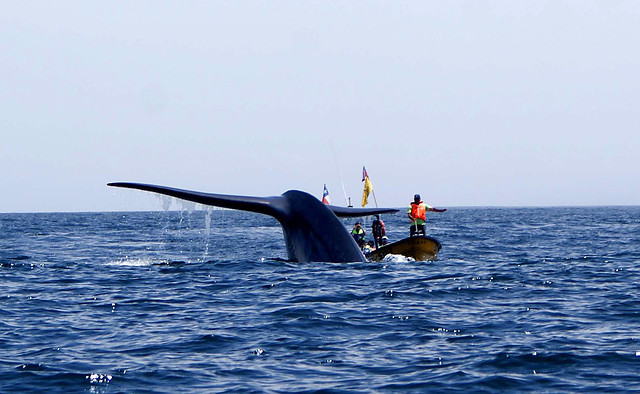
[377, 230]
[359, 234]
[418, 215]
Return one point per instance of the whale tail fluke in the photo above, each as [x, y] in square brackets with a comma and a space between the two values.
[311, 229]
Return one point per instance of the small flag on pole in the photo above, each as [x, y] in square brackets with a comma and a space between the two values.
[325, 196]
[367, 187]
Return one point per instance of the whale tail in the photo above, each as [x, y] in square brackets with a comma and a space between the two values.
[311, 229]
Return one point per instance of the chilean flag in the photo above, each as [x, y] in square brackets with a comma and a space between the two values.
[325, 196]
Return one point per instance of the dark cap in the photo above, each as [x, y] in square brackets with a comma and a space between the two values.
[416, 197]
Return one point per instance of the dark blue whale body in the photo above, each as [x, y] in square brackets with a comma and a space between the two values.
[312, 230]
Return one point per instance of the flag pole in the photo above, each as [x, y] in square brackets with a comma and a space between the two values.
[335, 160]
[366, 179]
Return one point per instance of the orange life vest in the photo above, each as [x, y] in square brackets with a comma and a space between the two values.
[418, 211]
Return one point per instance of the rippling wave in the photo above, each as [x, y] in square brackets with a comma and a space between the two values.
[525, 299]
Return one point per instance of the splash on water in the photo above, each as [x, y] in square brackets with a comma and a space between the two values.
[397, 258]
[188, 206]
[207, 222]
[207, 229]
[96, 378]
[132, 262]
[165, 201]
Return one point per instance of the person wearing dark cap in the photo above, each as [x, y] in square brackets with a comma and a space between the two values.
[359, 234]
[418, 214]
[378, 230]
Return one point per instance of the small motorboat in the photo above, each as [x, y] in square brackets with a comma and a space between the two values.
[419, 248]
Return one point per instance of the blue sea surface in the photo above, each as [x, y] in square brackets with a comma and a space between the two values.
[519, 299]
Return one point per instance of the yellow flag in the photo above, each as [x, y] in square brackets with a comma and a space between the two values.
[367, 187]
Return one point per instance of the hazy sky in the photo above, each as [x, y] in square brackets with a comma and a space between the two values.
[466, 102]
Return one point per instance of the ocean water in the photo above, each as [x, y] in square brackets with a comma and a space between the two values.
[520, 299]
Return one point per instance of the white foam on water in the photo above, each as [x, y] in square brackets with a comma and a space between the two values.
[397, 258]
[95, 378]
[132, 262]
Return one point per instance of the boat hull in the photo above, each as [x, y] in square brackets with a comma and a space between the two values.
[419, 248]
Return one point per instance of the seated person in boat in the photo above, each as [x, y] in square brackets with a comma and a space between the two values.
[368, 248]
[418, 214]
[359, 234]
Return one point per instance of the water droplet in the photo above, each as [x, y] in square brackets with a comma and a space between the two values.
[99, 378]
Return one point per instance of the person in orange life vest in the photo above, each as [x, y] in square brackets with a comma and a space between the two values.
[418, 214]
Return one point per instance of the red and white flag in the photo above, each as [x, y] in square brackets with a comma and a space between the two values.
[325, 196]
